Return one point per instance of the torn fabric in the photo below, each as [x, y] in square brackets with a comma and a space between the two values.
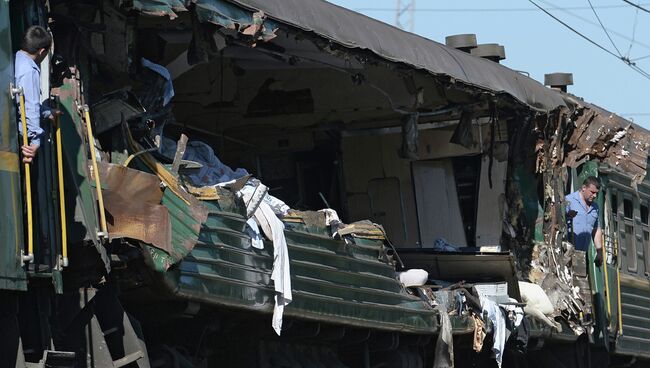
[273, 228]
[444, 353]
[499, 327]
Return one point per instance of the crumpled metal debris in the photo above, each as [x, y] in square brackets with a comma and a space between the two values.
[554, 269]
[132, 199]
[595, 133]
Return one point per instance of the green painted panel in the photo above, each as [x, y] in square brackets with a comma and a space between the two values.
[83, 220]
[597, 275]
[12, 275]
[635, 308]
[331, 281]
[185, 232]
[525, 184]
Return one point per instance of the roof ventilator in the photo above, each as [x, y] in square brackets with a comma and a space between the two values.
[558, 81]
[462, 42]
[490, 51]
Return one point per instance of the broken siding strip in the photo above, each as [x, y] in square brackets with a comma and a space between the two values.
[222, 13]
[186, 221]
[600, 134]
[159, 8]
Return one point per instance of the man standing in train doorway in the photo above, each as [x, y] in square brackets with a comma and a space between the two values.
[582, 217]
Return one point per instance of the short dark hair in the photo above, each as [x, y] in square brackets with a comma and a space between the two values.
[36, 38]
[592, 180]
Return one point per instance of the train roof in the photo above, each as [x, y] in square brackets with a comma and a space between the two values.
[356, 31]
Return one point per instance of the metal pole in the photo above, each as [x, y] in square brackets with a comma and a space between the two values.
[28, 181]
[98, 185]
[59, 160]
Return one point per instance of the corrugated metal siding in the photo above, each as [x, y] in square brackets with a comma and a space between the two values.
[635, 304]
[331, 281]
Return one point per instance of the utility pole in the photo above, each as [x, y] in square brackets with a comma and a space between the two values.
[404, 14]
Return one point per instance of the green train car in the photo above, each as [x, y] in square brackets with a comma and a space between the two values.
[434, 159]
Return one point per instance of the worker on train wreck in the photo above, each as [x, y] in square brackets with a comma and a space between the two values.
[582, 218]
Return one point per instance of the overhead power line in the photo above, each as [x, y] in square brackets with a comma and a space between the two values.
[461, 10]
[574, 15]
[627, 61]
[638, 6]
[604, 29]
[567, 10]
[636, 21]
[573, 29]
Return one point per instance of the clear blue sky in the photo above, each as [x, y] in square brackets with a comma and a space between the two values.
[536, 43]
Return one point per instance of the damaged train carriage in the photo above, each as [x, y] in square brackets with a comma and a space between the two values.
[440, 148]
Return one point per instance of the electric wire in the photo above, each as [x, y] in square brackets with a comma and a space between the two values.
[461, 10]
[574, 30]
[574, 15]
[604, 29]
[629, 63]
[638, 6]
[636, 19]
[567, 10]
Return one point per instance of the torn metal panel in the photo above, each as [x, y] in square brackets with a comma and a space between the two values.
[186, 220]
[603, 135]
[222, 13]
[132, 199]
[162, 8]
[332, 281]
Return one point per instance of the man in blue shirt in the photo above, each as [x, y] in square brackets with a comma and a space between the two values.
[35, 46]
[582, 212]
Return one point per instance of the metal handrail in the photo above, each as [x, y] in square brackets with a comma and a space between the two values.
[28, 179]
[98, 185]
[59, 159]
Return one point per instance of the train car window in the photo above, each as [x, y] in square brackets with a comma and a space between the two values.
[614, 206]
[627, 209]
[630, 248]
[628, 236]
[646, 237]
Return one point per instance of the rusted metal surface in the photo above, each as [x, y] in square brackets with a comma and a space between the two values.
[600, 134]
[582, 132]
[132, 199]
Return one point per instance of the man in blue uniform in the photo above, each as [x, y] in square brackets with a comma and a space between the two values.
[35, 46]
[582, 213]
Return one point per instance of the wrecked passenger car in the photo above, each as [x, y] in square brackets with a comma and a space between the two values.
[360, 156]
